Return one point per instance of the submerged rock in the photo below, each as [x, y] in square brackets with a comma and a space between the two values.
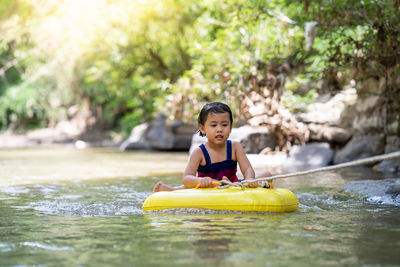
[393, 165]
[385, 191]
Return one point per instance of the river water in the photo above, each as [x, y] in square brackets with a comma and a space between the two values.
[67, 207]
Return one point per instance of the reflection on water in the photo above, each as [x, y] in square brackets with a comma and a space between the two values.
[40, 165]
[100, 222]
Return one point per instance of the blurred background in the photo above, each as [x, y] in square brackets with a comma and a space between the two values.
[95, 69]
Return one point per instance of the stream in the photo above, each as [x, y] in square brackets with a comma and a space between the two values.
[68, 207]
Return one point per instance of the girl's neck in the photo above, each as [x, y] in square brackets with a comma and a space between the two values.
[216, 146]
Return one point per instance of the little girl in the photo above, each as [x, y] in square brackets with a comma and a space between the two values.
[218, 158]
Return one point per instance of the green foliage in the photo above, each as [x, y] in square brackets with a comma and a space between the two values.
[114, 56]
[23, 108]
[130, 59]
[352, 31]
[122, 75]
[299, 103]
[232, 37]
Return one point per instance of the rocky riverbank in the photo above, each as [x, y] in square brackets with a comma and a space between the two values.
[331, 127]
[334, 135]
[57, 137]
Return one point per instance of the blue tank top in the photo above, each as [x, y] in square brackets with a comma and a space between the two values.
[220, 169]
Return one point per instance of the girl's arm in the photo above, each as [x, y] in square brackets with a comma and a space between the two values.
[189, 176]
[244, 163]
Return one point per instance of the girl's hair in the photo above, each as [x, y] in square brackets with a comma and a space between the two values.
[213, 108]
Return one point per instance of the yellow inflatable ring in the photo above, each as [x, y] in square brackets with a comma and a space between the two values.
[235, 199]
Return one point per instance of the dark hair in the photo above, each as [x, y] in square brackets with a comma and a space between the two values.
[213, 108]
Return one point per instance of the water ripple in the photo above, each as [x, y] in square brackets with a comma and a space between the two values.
[44, 246]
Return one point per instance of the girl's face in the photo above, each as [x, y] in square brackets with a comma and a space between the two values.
[217, 127]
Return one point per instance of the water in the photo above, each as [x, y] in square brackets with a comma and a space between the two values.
[91, 219]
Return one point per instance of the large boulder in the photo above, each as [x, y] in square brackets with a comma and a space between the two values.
[330, 119]
[329, 111]
[160, 135]
[371, 115]
[361, 147]
[254, 139]
[309, 156]
[331, 134]
[176, 135]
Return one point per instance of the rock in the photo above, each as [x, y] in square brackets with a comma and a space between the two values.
[79, 144]
[330, 119]
[160, 135]
[329, 134]
[373, 121]
[62, 134]
[392, 128]
[173, 136]
[369, 103]
[384, 191]
[137, 139]
[330, 111]
[253, 139]
[361, 147]
[9, 140]
[371, 85]
[347, 117]
[394, 190]
[309, 156]
[371, 115]
[390, 166]
[393, 165]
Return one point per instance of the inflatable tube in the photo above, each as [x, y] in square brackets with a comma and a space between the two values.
[235, 199]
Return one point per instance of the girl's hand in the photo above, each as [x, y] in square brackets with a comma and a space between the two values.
[225, 178]
[252, 184]
[206, 182]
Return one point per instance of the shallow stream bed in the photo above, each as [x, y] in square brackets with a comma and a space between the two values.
[64, 207]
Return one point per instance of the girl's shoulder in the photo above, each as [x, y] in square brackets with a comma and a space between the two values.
[236, 145]
[197, 152]
[197, 156]
[237, 150]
